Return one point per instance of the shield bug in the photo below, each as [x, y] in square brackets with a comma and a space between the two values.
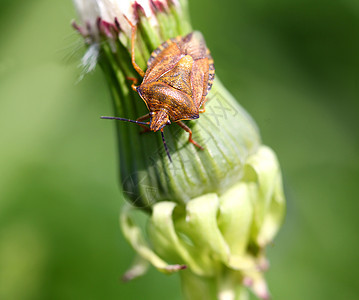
[179, 74]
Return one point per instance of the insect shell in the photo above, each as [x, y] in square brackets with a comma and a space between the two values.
[179, 74]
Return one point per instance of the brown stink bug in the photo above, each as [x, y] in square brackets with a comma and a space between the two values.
[180, 72]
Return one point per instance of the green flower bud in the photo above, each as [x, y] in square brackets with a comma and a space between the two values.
[216, 234]
[211, 211]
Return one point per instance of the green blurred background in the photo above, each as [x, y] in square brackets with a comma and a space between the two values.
[294, 65]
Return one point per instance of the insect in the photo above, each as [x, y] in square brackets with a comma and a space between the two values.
[179, 74]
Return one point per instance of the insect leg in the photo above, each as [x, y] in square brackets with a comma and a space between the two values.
[133, 36]
[145, 128]
[134, 82]
[186, 128]
[203, 109]
[145, 117]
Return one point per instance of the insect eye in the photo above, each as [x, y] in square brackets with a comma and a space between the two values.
[168, 122]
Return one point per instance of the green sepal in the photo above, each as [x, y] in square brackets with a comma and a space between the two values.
[134, 236]
[264, 177]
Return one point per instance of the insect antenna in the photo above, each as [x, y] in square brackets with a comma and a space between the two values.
[164, 144]
[142, 123]
[123, 119]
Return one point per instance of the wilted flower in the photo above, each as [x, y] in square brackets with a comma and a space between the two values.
[212, 211]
